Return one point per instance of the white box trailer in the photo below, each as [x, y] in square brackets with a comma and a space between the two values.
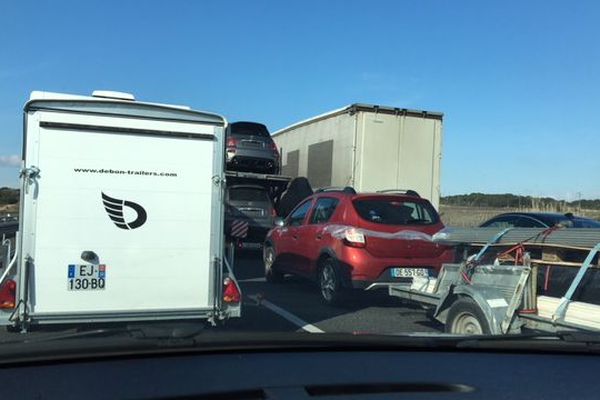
[121, 213]
[368, 147]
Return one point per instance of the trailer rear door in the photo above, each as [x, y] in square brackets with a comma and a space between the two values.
[136, 191]
[399, 152]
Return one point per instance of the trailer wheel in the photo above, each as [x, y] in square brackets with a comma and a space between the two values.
[466, 318]
[271, 274]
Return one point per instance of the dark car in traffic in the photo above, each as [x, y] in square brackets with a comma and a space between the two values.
[249, 148]
[539, 220]
[344, 240]
[252, 205]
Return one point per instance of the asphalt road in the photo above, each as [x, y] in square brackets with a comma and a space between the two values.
[291, 306]
[295, 305]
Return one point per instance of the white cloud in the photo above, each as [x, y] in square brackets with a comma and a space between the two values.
[10, 161]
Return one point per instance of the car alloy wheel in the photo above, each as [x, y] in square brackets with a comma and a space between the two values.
[328, 283]
[269, 261]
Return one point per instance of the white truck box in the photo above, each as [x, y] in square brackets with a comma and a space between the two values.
[369, 147]
[121, 212]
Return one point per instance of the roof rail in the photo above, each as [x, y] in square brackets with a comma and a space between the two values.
[408, 192]
[346, 189]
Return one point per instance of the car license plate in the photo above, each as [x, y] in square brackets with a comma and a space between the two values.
[251, 245]
[409, 272]
[86, 277]
[253, 144]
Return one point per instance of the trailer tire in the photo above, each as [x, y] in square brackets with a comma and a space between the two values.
[271, 273]
[466, 318]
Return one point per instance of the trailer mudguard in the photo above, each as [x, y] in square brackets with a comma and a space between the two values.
[491, 302]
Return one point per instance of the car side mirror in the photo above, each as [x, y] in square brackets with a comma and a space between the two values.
[278, 221]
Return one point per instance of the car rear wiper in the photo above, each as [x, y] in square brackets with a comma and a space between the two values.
[419, 222]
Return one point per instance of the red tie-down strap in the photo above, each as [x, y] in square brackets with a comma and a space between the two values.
[519, 249]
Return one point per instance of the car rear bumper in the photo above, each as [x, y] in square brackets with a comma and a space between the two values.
[250, 153]
[256, 232]
[251, 161]
[361, 270]
[382, 283]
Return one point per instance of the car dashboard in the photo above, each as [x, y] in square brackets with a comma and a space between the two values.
[310, 374]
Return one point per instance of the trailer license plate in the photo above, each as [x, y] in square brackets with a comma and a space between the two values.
[409, 272]
[86, 277]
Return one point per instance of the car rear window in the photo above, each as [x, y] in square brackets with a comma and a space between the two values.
[248, 194]
[396, 212]
[243, 128]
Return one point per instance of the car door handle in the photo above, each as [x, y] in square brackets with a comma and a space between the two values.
[295, 237]
[319, 237]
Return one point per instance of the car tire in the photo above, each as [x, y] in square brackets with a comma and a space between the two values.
[271, 273]
[330, 284]
[466, 318]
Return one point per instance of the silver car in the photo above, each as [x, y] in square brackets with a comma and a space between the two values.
[251, 149]
[253, 205]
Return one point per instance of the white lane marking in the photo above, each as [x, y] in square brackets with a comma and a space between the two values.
[263, 279]
[287, 315]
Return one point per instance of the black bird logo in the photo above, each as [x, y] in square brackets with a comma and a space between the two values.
[114, 208]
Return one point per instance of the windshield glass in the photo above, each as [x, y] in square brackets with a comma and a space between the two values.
[248, 194]
[393, 168]
[244, 128]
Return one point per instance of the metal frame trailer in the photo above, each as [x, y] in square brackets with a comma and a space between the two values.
[494, 290]
[121, 215]
[275, 184]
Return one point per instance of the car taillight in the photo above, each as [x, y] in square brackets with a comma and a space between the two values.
[275, 150]
[231, 293]
[273, 213]
[354, 238]
[232, 143]
[8, 294]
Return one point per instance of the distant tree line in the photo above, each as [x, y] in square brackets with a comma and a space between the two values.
[509, 200]
[9, 196]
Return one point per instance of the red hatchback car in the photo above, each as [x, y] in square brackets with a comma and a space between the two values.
[344, 240]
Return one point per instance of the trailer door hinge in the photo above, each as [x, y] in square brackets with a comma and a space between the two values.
[30, 175]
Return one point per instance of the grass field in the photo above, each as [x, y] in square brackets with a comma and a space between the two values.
[473, 216]
[11, 209]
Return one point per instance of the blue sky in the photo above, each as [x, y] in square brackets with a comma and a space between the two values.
[518, 81]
